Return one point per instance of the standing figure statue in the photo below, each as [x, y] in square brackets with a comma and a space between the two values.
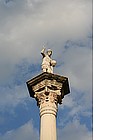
[47, 62]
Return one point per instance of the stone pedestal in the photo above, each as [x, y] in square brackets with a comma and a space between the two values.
[48, 90]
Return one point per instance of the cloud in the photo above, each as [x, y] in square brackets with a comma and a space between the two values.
[77, 64]
[25, 132]
[74, 131]
[2, 120]
[28, 25]
[12, 96]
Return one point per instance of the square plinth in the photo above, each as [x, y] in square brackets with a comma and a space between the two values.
[48, 79]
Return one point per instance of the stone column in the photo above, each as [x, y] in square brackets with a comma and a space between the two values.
[48, 90]
[47, 102]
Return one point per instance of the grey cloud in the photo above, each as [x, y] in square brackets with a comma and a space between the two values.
[25, 132]
[12, 96]
[77, 64]
[74, 131]
[26, 25]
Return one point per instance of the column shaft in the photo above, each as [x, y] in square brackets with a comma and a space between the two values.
[48, 122]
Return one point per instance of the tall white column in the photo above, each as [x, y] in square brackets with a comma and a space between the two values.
[48, 90]
[48, 112]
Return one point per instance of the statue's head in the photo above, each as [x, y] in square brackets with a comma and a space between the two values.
[49, 52]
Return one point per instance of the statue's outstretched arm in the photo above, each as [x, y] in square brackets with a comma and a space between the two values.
[43, 52]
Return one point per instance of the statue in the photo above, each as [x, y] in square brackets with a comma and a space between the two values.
[47, 62]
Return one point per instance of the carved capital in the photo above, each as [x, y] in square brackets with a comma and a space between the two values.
[48, 95]
[48, 88]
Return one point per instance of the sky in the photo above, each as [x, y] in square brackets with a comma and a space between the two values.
[116, 70]
[64, 26]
